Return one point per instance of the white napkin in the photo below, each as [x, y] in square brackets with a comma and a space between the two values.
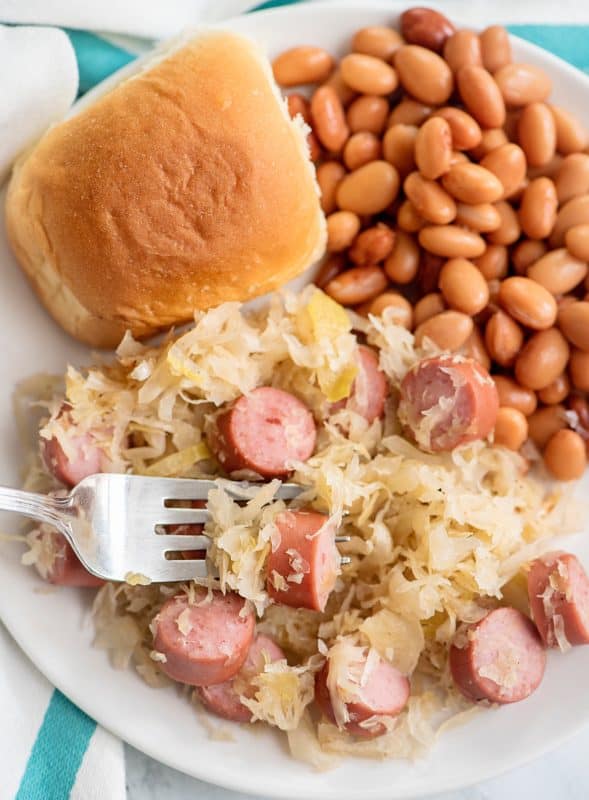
[153, 19]
[32, 766]
[38, 83]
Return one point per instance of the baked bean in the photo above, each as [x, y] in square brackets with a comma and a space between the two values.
[448, 330]
[408, 219]
[526, 253]
[329, 175]
[429, 199]
[483, 217]
[368, 113]
[398, 148]
[528, 302]
[377, 41]
[508, 163]
[458, 158]
[372, 245]
[537, 212]
[511, 428]
[332, 266]
[403, 312]
[545, 422]
[343, 91]
[558, 271]
[513, 395]
[342, 229]
[518, 193]
[462, 48]
[557, 391]
[537, 134]
[463, 287]
[329, 121]
[509, 229]
[493, 305]
[409, 112]
[426, 27]
[572, 178]
[571, 135]
[301, 65]
[474, 347]
[429, 306]
[579, 370]
[471, 183]
[360, 149]
[369, 189]
[548, 170]
[298, 104]
[428, 275]
[543, 358]
[565, 455]
[521, 84]
[357, 285]
[451, 241]
[424, 74]
[491, 139]
[573, 320]
[368, 74]
[466, 131]
[581, 408]
[495, 48]
[433, 148]
[402, 264]
[493, 263]
[574, 212]
[481, 96]
[577, 241]
[565, 300]
[313, 146]
[503, 338]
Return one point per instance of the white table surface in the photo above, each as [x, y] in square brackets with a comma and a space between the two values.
[564, 773]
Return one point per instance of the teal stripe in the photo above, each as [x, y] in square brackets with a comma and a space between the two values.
[274, 4]
[57, 753]
[97, 58]
[569, 42]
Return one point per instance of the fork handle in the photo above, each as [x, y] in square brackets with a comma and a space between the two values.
[41, 507]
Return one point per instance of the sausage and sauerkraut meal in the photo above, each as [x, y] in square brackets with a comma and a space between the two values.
[388, 441]
[402, 422]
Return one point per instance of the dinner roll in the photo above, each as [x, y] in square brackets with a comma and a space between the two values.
[185, 186]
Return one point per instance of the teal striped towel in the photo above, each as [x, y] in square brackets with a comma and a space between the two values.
[52, 750]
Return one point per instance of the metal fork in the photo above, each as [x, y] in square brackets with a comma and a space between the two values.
[111, 522]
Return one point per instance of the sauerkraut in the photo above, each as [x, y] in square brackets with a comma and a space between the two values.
[434, 539]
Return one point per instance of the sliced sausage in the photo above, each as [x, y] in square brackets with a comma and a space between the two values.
[86, 458]
[370, 388]
[194, 529]
[447, 401]
[204, 642]
[558, 589]
[303, 567]
[264, 431]
[384, 694]
[502, 659]
[67, 569]
[223, 698]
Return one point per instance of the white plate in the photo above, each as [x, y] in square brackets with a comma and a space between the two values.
[54, 630]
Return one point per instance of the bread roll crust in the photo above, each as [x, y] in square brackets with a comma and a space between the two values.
[184, 187]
